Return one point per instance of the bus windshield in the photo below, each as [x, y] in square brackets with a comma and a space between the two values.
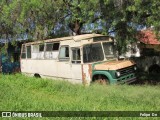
[92, 53]
[109, 50]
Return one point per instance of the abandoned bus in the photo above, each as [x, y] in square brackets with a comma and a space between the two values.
[81, 59]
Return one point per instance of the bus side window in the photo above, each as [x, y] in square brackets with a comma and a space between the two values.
[41, 48]
[52, 47]
[35, 51]
[64, 53]
[41, 51]
[55, 46]
[49, 47]
[23, 55]
[28, 51]
[76, 58]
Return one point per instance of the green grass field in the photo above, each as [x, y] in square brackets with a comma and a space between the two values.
[21, 93]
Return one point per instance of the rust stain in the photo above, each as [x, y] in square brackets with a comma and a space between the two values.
[90, 71]
[83, 76]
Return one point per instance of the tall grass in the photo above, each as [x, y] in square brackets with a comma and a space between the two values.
[21, 93]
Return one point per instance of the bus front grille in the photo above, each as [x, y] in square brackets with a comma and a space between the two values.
[126, 71]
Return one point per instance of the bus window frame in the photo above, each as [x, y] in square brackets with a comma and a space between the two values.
[27, 52]
[76, 61]
[66, 59]
[23, 51]
[52, 46]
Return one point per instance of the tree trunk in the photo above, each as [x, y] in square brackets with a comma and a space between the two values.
[76, 27]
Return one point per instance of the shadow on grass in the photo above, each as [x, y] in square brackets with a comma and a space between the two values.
[144, 78]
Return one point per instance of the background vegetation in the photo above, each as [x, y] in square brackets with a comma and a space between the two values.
[39, 19]
[20, 93]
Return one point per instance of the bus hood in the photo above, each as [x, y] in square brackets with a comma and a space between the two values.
[114, 65]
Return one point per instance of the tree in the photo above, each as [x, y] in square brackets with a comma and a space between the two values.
[34, 18]
[81, 12]
[39, 19]
[124, 18]
[127, 17]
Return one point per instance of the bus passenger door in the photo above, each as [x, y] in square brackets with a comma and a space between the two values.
[76, 68]
[63, 64]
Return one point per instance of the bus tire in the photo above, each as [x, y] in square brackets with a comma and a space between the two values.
[101, 79]
[37, 75]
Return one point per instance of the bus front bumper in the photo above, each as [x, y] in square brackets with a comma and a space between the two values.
[128, 81]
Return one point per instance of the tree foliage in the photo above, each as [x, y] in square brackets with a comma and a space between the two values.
[34, 18]
[40, 19]
[127, 17]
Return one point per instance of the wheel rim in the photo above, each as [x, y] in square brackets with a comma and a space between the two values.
[101, 80]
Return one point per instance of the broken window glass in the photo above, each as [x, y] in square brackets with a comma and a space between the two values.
[109, 49]
[76, 58]
[92, 53]
[64, 53]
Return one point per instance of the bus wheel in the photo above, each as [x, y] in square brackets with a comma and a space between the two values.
[101, 79]
[37, 75]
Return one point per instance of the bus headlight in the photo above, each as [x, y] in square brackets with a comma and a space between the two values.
[135, 68]
[118, 74]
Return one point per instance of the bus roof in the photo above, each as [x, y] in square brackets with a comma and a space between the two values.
[75, 38]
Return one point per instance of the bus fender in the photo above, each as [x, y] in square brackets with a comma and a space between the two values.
[105, 73]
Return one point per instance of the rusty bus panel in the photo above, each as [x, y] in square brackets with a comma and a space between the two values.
[86, 73]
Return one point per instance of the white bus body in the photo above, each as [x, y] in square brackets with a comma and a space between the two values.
[74, 58]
